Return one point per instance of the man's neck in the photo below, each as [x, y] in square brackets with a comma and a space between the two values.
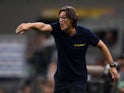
[71, 31]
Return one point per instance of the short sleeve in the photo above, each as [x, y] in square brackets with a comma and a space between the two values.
[92, 39]
[55, 27]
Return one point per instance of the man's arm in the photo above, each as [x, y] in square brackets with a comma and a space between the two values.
[109, 58]
[22, 28]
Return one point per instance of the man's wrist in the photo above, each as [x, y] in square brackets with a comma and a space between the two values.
[112, 65]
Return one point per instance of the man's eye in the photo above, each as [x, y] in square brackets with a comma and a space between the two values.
[64, 17]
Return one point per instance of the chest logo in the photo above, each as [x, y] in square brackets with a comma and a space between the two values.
[79, 45]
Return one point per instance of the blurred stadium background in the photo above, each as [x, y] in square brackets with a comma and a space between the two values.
[28, 62]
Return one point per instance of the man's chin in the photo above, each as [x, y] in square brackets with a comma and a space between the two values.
[62, 29]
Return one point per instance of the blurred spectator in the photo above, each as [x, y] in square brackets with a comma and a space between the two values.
[26, 89]
[120, 84]
[45, 86]
[41, 47]
[109, 85]
[121, 81]
[52, 67]
[110, 37]
[3, 90]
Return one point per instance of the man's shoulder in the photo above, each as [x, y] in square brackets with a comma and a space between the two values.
[55, 28]
[55, 25]
[82, 29]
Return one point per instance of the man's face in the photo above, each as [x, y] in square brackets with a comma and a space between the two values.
[65, 22]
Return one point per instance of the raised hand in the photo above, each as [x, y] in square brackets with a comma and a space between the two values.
[22, 28]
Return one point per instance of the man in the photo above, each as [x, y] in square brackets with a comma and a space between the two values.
[71, 42]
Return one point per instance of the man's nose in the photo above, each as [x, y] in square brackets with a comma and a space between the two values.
[60, 19]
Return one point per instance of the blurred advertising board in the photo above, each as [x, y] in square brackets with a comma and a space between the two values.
[12, 56]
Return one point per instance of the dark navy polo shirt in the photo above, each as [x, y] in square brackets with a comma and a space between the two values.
[71, 65]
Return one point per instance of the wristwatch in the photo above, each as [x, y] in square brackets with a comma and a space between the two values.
[112, 65]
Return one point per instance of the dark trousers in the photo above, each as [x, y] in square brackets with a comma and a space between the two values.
[70, 87]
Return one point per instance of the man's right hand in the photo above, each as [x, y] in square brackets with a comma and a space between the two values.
[22, 28]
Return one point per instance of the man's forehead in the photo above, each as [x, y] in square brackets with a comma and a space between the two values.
[63, 13]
